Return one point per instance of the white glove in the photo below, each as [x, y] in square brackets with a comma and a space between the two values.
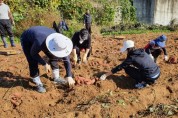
[75, 58]
[47, 68]
[151, 56]
[85, 58]
[70, 81]
[103, 77]
[166, 58]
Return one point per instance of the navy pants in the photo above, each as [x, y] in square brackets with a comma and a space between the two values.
[88, 27]
[138, 76]
[53, 61]
[156, 53]
[6, 26]
[33, 64]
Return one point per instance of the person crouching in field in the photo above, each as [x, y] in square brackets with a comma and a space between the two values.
[55, 46]
[156, 46]
[138, 65]
[81, 41]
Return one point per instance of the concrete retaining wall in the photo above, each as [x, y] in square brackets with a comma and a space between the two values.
[156, 11]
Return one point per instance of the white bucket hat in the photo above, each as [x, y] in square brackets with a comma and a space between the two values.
[127, 44]
[59, 45]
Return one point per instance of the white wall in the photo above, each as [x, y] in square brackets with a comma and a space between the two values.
[156, 11]
[165, 11]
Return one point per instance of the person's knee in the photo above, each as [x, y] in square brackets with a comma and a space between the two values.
[128, 69]
[54, 64]
[2, 35]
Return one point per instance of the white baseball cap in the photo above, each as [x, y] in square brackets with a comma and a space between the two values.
[127, 44]
[59, 45]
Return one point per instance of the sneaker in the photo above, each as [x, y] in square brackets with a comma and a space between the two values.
[60, 81]
[41, 89]
[140, 85]
[5, 46]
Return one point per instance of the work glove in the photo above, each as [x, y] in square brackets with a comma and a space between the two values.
[103, 77]
[75, 59]
[70, 81]
[13, 23]
[85, 58]
[47, 68]
[166, 58]
[151, 56]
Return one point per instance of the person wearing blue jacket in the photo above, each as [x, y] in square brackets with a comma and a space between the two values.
[155, 47]
[55, 46]
[138, 65]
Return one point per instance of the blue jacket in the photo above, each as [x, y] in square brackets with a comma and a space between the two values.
[141, 60]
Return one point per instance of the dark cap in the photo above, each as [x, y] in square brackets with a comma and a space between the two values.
[84, 34]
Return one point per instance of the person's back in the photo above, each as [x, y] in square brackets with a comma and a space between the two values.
[87, 18]
[87, 21]
[143, 62]
[37, 33]
[4, 9]
[138, 65]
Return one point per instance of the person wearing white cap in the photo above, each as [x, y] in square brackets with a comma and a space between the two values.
[55, 46]
[156, 46]
[138, 65]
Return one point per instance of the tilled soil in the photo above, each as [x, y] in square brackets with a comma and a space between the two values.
[114, 98]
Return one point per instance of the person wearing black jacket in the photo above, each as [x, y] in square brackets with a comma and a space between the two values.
[81, 41]
[138, 65]
[87, 21]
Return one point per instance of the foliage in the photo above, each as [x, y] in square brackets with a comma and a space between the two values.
[73, 27]
[161, 110]
[28, 13]
[18, 8]
[104, 15]
[128, 11]
[36, 17]
[73, 9]
[136, 28]
[173, 25]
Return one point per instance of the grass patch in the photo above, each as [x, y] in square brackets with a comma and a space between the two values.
[16, 39]
[135, 32]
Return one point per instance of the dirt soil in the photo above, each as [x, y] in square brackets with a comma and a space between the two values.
[114, 98]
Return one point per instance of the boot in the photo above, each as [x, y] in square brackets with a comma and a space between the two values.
[4, 41]
[39, 84]
[12, 41]
[57, 78]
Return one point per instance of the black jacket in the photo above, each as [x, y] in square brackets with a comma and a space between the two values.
[76, 44]
[87, 18]
[141, 60]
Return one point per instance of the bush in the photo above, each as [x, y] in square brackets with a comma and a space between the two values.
[36, 17]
